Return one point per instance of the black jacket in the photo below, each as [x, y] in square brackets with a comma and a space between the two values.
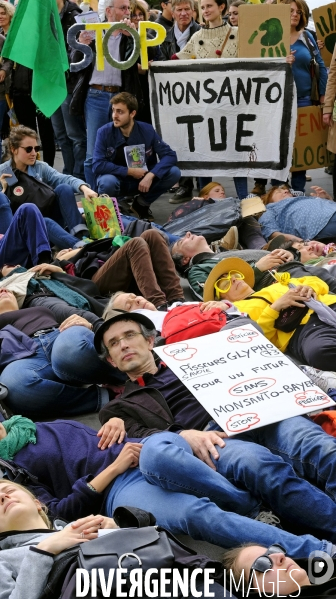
[69, 12]
[170, 47]
[144, 411]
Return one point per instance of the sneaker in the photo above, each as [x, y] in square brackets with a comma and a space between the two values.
[181, 195]
[142, 212]
[328, 170]
[322, 378]
[259, 189]
[230, 240]
[275, 243]
[308, 178]
[267, 517]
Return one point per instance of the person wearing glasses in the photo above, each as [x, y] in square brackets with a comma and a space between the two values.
[311, 341]
[273, 572]
[200, 459]
[38, 183]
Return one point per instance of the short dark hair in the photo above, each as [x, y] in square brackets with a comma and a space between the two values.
[128, 99]
[145, 332]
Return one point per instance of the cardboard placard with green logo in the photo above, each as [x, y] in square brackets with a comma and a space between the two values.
[264, 31]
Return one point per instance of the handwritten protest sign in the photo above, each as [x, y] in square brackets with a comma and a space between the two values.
[242, 380]
[226, 117]
[102, 33]
[310, 146]
[325, 23]
[266, 30]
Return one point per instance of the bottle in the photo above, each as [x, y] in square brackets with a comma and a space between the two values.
[85, 6]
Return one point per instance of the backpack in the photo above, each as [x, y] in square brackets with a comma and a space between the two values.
[187, 322]
[29, 190]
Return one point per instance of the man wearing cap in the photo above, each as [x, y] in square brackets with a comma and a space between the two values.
[156, 400]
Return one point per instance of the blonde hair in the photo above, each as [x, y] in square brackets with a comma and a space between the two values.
[44, 510]
[8, 8]
[208, 188]
[230, 559]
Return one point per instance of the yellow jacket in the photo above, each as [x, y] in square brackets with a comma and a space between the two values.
[265, 316]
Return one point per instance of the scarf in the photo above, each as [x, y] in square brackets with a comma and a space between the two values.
[20, 432]
[181, 37]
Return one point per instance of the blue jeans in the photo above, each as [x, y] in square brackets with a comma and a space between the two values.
[56, 234]
[97, 114]
[182, 513]
[50, 382]
[26, 236]
[274, 463]
[115, 187]
[70, 132]
[329, 231]
[241, 187]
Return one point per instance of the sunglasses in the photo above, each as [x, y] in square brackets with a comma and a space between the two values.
[263, 562]
[226, 282]
[29, 149]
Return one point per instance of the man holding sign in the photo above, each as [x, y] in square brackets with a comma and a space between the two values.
[156, 400]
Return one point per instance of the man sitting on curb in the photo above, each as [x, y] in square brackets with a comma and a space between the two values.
[114, 176]
[156, 400]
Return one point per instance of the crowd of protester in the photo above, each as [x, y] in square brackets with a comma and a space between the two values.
[80, 319]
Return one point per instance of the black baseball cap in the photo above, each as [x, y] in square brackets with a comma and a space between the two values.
[120, 315]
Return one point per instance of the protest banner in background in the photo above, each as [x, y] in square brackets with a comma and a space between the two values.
[264, 31]
[226, 117]
[325, 23]
[242, 380]
[310, 146]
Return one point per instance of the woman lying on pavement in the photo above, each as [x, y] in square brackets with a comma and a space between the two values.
[311, 342]
[275, 574]
[298, 217]
[76, 476]
[30, 548]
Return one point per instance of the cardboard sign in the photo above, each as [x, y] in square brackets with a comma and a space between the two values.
[242, 380]
[310, 146]
[264, 31]
[226, 117]
[325, 23]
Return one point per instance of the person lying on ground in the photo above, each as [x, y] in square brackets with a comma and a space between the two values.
[49, 286]
[311, 340]
[298, 217]
[271, 570]
[59, 372]
[77, 478]
[156, 400]
[249, 231]
[142, 263]
[194, 260]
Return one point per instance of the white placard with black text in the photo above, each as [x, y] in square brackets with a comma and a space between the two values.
[243, 380]
[226, 117]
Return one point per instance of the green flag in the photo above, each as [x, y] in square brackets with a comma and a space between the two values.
[35, 40]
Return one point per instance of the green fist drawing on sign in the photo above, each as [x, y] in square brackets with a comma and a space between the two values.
[272, 39]
[327, 29]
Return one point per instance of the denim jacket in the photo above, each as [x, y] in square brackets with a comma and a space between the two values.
[110, 137]
[43, 172]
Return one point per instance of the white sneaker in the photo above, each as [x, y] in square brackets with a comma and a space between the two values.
[322, 378]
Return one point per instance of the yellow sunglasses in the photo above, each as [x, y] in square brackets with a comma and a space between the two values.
[227, 282]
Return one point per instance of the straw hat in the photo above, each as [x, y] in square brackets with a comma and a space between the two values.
[222, 267]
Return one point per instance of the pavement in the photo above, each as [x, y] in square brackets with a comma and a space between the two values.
[162, 209]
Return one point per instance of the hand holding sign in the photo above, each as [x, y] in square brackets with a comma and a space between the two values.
[203, 444]
[271, 39]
